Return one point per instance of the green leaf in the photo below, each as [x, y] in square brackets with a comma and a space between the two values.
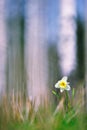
[73, 92]
[54, 92]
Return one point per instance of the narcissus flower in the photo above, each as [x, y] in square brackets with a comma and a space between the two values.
[63, 84]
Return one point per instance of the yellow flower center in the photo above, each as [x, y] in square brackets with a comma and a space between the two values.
[63, 84]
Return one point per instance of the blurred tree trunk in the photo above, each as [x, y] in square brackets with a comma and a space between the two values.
[86, 55]
[15, 49]
[67, 36]
[35, 52]
[3, 48]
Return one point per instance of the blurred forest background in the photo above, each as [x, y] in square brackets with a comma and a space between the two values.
[40, 41]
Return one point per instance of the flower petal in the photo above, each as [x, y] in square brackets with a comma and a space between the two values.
[68, 82]
[68, 87]
[65, 78]
[56, 85]
[61, 90]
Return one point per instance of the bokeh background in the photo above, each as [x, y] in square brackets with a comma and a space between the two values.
[41, 41]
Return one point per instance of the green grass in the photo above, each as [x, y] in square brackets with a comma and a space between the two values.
[59, 124]
[43, 119]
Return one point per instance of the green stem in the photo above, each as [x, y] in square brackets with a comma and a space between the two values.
[67, 102]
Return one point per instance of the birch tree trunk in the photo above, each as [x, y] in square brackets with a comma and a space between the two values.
[67, 36]
[86, 55]
[3, 48]
[15, 50]
[35, 53]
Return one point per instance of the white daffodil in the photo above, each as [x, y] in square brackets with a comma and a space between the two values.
[63, 84]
